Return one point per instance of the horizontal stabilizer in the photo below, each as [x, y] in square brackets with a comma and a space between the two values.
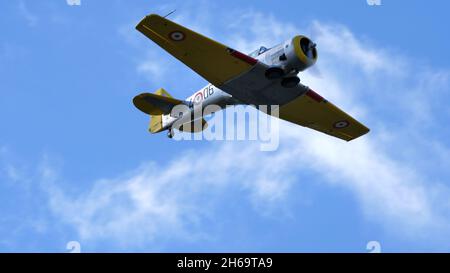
[154, 104]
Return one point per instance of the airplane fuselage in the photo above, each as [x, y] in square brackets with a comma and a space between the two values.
[212, 95]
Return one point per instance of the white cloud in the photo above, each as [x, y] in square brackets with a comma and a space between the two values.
[158, 200]
[152, 67]
[177, 198]
[345, 47]
[30, 17]
[250, 30]
[11, 170]
[154, 64]
[392, 192]
[150, 64]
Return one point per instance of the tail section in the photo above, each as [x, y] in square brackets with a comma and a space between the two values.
[161, 103]
[156, 105]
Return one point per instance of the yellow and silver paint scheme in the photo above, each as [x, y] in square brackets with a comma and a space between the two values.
[239, 78]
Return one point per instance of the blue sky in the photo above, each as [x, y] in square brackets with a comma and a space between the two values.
[77, 162]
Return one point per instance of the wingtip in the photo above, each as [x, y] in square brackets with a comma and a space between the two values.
[362, 134]
[146, 18]
[153, 15]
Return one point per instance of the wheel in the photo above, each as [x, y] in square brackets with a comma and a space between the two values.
[170, 133]
[290, 82]
[273, 73]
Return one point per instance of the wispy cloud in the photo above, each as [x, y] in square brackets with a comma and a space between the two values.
[250, 30]
[154, 64]
[173, 199]
[25, 12]
[152, 67]
[12, 171]
[391, 191]
[383, 170]
[342, 43]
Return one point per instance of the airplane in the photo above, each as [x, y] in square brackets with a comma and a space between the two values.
[267, 76]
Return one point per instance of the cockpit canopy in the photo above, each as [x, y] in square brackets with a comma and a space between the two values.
[258, 52]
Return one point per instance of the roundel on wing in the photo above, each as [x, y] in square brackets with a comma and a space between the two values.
[176, 36]
[341, 124]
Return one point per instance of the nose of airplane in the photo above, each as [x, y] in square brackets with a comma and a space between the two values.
[308, 47]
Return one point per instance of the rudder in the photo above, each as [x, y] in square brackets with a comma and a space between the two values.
[156, 125]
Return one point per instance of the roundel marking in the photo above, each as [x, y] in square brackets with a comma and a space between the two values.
[176, 36]
[341, 124]
[198, 97]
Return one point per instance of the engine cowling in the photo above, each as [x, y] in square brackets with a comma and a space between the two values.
[300, 52]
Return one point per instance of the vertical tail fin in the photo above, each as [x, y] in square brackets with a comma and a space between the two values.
[156, 124]
[163, 92]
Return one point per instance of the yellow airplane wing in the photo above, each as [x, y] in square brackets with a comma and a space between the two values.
[213, 61]
[313, 111]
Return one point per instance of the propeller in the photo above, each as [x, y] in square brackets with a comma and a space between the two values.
[308, 48]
